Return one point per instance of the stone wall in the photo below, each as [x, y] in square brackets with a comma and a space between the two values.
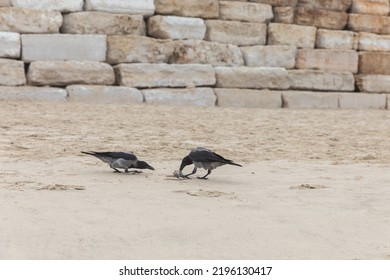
[254, 53]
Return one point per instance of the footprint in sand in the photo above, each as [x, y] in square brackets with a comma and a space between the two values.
[60, 187]
[203, 193]
[308, 187]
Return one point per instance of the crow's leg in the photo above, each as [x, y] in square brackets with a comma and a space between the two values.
[204, 177]
[116, 170]
[193, 172]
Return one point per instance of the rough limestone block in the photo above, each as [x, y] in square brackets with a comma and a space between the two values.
[9, 44]
[180, 96]
[269, 56]
[335, 39]
[373, 42]
[373, 83]
[27, 93]
[245, 11]
[142, 75]
[333, 5]
[203, 52]
[321, 18]
[374, 63]
[248, 98]
[57, 5]
[138, 49]
[374, 7]
[174, 27]
[63, 73]
[188, 8]
[236, 32]
[63, 47]
[332, 60]
[104, 94]
[103, 23]
[252, 77]
[23, 20]
[291, 34]
[12, 72]
[369, 23]
[362, 101]
[284, 14]
[310, 100]
[321, 80]
[291, 3]
[144, 7]
[5, 3]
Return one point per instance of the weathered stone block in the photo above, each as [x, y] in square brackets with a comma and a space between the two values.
[144, 75]
[321, 80]
[374, 7]
[63, 47]
[374, 63]
[104, 94]
[290, 34]
[62, 6]
[144, 7]
[236, 32]
[362, 101]
[369, 23]
[62, 73]
[335, 39]
[373, 83]
[310, 100]
[270, 56]
[27, 93]
[180, 96]
[9, 44]
[23, 20]
[248, 98]
[290, 3]
[203, 52]
[174, 27]
[333, 5]
[252, 77]
[284, 14]
[12, 72]
[373, 42]
[188, 8]
[138, 49]
[243, 11]
[321, 18]
[333, 60]
[103, 23]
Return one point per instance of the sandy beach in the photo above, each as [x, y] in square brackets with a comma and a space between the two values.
[314, 184]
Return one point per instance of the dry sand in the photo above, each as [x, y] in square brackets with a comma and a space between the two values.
[315, 184]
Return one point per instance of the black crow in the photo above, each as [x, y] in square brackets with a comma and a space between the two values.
[120, 160]
[203, 158]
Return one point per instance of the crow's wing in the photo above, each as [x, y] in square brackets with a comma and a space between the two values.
[117, 155]
[109, 157]
[205, 155]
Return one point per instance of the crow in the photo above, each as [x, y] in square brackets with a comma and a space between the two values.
[120, 160]
[203, 158]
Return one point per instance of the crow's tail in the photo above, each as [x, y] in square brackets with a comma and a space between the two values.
[233, 163]
[89, 153]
